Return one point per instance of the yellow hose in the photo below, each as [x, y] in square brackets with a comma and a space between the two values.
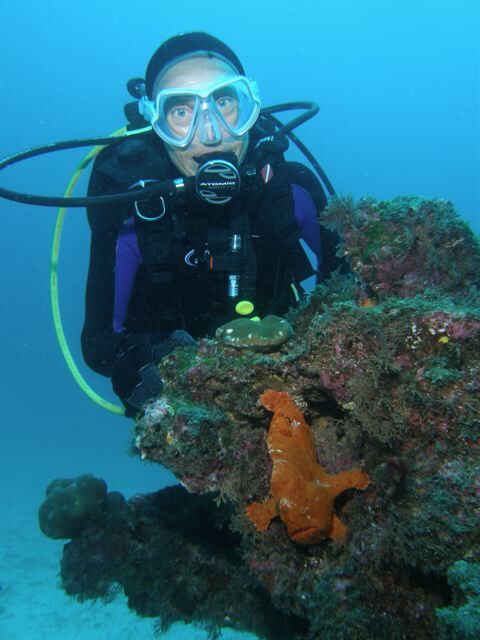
[54, 297]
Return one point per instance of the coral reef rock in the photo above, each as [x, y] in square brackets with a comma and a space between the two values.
[384, 363]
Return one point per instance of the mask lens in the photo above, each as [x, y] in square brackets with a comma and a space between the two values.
[176, 116]
[233, 103]
[237, 106]
[227, 103]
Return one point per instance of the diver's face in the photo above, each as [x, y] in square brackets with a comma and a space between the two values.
[191, 74]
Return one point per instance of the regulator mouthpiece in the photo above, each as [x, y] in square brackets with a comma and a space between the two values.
[217, 180]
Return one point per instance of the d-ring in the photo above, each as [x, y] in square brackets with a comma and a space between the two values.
[142, 183]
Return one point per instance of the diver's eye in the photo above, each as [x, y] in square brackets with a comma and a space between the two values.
[225, 103]
[180, 114]
[226, 100]
[179, 110]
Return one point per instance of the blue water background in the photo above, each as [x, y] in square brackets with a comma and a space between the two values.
[398, 86]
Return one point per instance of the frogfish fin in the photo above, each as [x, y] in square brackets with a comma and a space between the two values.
[260, 513]
[338, 530]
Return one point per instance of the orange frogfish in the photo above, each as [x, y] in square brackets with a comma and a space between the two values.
[303, 494]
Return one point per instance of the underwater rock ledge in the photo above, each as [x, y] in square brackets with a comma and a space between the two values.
[175, 559]
[385, 365]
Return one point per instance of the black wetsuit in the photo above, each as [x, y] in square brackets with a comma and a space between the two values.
[168, 292]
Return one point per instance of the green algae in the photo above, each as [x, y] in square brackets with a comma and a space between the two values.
[461, 621]
[344, 598]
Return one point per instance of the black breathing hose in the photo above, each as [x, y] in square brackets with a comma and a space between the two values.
[287, 130]
[162, 188]
[52, 201]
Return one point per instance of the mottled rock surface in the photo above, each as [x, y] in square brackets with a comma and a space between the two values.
[385, 365]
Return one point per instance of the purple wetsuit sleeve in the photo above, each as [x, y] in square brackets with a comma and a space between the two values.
[127, 261]
[306, 217]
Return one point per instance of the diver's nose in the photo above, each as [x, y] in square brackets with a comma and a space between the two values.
[209, 131]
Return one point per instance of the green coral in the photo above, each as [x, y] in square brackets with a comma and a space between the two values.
[70, 504]
[257, 335]
[461, 621]
[438, 372]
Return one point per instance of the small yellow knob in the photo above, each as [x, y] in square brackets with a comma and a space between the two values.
[244, 307]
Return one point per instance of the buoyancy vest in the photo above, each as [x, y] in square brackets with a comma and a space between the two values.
[286, 206]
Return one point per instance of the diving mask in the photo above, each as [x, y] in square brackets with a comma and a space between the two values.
[231, 104]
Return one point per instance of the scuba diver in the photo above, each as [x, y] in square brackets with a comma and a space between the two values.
[167, 270]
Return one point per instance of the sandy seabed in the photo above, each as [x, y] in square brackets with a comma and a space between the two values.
[34, 607]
